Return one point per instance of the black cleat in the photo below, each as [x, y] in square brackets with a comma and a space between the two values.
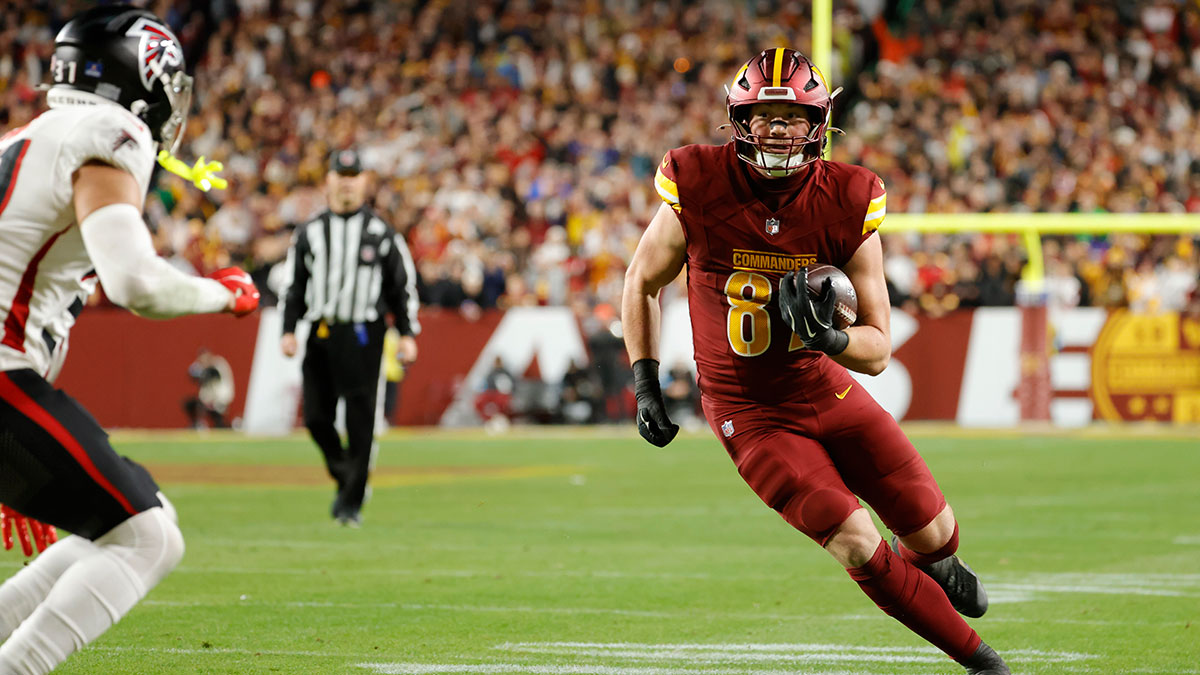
[960, 583]
[985, 661]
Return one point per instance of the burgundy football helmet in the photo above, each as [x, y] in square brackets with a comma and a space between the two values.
[775, 76]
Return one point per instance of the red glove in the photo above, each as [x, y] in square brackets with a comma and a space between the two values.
[43, 534]
[239, 283]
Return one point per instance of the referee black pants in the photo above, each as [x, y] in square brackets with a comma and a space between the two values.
[342, 361]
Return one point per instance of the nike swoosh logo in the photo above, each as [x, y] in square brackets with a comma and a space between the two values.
[807, 329]
[843, 394]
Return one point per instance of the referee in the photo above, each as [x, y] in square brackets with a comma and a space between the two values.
[348, 269]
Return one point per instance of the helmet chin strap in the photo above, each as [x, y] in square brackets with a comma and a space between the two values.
[778, 166]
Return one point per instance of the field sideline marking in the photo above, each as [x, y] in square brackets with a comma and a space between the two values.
[753, 652]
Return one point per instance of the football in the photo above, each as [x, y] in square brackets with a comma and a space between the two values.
[846, 310]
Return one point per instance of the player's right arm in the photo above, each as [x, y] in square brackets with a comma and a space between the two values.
[658, 260]
[107, 204]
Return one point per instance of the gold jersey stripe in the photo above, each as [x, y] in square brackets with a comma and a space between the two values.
[777, 76]
[872, 224]
[876, 210]
[667, 189]
[666, 185]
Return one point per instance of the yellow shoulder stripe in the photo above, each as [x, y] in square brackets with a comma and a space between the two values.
[876, 210]
[666, 188]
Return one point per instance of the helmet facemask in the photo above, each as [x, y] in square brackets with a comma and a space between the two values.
[779, 76]
[779, 156]
[178, 90]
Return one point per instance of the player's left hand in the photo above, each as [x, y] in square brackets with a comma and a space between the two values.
[30, 532]
[811, 317]
[245, 293]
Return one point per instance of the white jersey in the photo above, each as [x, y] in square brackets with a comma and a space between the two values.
[46, 275]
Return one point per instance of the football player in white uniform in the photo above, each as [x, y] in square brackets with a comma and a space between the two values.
[72, 185]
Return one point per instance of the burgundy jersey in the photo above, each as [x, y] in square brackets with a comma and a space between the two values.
[737, 250]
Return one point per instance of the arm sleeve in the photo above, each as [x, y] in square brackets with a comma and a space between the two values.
[135, 277]
[294, 290]
[396, 285]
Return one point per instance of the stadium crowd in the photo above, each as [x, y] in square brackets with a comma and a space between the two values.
[515, 143]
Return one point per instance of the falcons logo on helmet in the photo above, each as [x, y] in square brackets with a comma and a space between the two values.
[157, 49]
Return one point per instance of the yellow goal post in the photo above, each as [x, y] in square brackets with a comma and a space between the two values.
[1032, 226]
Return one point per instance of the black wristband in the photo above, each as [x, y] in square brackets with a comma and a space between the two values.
[645, 375]
[838, 340]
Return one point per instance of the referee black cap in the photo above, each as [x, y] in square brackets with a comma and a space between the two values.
[345, 162]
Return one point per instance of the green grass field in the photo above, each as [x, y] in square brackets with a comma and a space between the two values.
[579, 552]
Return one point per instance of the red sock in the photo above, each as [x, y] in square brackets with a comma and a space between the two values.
[927, 559]
[912, 598]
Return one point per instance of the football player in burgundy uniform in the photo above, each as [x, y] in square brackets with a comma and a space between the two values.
[747, 219]
[72, 184]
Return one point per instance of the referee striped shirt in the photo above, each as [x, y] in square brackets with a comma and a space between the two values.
[350, 268]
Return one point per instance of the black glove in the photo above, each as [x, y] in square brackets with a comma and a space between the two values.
[811, 319]
[653, 423]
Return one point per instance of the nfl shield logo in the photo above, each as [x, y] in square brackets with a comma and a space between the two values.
[772, 226]
[727, 428]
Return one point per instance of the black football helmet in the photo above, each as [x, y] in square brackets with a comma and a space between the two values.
[127, 55]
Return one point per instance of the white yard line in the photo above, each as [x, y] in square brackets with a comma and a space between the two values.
[1091, 589]
[799, 652]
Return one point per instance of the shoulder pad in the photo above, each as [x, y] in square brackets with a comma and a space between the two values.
[113, 136]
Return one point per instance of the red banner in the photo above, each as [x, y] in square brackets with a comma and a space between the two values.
[132, 372]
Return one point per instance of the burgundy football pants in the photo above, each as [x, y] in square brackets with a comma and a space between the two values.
[808, 460]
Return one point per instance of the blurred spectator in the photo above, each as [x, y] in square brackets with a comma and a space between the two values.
[682, 395]
[495, 399]
[214, 391]
[580, 397]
